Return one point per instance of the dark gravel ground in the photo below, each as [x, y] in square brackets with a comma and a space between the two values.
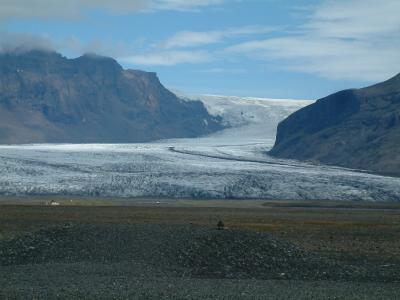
[147, 261]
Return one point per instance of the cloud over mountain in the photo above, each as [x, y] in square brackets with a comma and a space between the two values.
[48, 9]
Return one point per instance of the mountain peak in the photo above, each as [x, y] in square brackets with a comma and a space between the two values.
[96, 57]
[395, 80]
[390, 86]
[91, 62]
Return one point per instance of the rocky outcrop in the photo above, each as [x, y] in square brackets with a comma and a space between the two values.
[357, 128]
[45, 97]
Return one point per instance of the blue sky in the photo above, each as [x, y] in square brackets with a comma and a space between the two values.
[263, 48]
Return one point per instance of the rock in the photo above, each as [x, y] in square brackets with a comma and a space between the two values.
[45, 97]
[358, 128]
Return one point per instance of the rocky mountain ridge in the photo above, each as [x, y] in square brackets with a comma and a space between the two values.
[356, 128]
[45, 97]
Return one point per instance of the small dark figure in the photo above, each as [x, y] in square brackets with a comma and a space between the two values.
[220, 225]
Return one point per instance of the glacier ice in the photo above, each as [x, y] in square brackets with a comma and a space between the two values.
[228, 164]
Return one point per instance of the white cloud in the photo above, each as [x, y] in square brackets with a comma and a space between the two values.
[223, 71]
[167, 58]
[170, 52]
[199, 38]
[184, 4]
[48, 9]
[356, 19]
[24, 42]
[192, 39]
[355, 40]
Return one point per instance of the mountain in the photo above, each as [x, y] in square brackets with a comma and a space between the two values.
[45, 97]
[356, 128]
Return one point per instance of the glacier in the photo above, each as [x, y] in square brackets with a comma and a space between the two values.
[231, 164]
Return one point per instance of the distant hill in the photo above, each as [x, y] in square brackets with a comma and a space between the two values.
[357, 128]
[45, 97]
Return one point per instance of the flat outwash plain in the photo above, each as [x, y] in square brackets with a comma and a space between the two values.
[172, 250]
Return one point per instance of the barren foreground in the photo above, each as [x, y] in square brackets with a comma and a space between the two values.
[172, 250]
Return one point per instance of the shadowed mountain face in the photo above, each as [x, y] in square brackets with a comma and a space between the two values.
[45, 97]
[357, 128]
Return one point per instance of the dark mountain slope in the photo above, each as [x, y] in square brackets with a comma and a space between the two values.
[45, 97]
[358, 128]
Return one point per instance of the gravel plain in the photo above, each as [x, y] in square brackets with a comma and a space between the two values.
[150, 261]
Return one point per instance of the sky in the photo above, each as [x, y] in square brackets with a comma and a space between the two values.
[303, 49]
